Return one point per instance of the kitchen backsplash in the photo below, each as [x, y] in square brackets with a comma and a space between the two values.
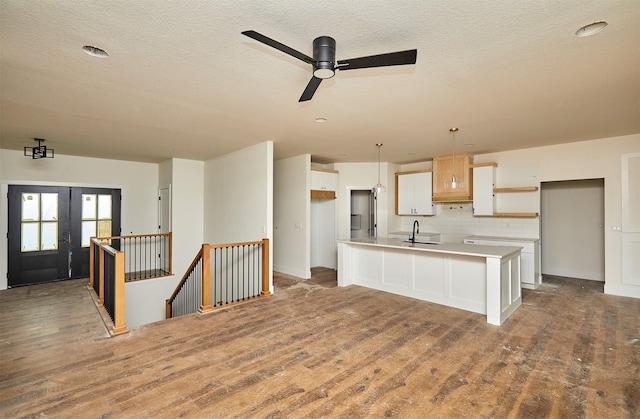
[455, 221]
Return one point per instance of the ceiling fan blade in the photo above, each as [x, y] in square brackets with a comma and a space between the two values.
[310, 89]
[277, 45]
[381, 60]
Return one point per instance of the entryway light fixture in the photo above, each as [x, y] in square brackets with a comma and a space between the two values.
[378, 187]
[39, 152]
[453, 183]
[591, 29]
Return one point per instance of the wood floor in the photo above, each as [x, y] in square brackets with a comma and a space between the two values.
[316, 350]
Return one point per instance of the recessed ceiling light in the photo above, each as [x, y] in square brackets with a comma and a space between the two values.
[95, 51]
[321, 119]
[591, 29]
[411, 153]
[469, 145]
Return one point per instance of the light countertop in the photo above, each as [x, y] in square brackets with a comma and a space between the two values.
[451, 248]
[503, 239]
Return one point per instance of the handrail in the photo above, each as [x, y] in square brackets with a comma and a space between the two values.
[148, 255]
[186, 275]
[221, 246]
[113, 291]
[230, 275]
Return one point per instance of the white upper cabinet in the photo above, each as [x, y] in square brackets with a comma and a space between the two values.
[323, 180]
[413, 193]
[484, 200]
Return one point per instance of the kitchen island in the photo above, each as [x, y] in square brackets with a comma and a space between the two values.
[481, 279]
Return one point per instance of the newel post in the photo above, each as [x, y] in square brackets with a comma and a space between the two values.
[92, 260]
[170, 252]
[118, 322]
[101, 278]
[265, 268]
[206, 279]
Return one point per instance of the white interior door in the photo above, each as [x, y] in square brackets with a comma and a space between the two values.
[164, 210]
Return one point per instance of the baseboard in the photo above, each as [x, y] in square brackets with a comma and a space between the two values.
[293, 272]
[622, 290]
[571, 273]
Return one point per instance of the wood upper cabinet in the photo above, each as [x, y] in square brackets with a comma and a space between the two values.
[413, 193]
[443, 169]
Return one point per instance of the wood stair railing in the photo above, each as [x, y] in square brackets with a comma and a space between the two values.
[221, 275]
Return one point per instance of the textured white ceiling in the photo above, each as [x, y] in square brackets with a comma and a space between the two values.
[181, 81]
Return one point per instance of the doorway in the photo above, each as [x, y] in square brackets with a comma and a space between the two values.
[363, 213]
[572, 228]
[50, 229]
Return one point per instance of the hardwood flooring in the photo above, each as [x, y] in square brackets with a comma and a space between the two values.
[316, 350]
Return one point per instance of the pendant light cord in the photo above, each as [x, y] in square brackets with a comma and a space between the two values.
[379, 145]
[453, 155]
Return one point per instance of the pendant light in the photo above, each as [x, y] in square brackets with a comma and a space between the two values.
[379, 187]
[453, 183]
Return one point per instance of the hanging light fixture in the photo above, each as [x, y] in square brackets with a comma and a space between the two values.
[453, 183]
[379, 187]
[40, 151]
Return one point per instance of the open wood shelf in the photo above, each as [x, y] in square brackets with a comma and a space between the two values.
[516, 189]
[515, 214]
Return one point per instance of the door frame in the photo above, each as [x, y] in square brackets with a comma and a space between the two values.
[4, 217]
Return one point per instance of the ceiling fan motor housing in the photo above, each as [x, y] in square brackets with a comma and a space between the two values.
[324, 55]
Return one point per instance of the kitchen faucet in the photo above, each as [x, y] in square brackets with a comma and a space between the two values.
[415, 230]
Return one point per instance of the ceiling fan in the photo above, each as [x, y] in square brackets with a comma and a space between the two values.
[324, 59]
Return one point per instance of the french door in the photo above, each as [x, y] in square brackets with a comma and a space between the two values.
[50, 229]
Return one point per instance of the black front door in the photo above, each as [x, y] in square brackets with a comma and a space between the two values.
[38, 234]
[49, 230]
[95, 212]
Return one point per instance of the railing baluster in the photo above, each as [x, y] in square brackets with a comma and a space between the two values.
[221, 275]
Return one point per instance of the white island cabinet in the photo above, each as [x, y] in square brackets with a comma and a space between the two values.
[480, 279]
[530, 276]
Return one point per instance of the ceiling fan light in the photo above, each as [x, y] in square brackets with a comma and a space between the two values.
[323, 70]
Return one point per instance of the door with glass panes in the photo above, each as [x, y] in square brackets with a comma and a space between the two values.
[50, 229]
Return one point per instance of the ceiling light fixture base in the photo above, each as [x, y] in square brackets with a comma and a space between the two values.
[591, 29]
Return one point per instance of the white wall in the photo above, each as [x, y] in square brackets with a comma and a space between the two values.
[587, 160]
[144, 301]
[187, 212]
[138, 182]
[291, 208]
[238, 197]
